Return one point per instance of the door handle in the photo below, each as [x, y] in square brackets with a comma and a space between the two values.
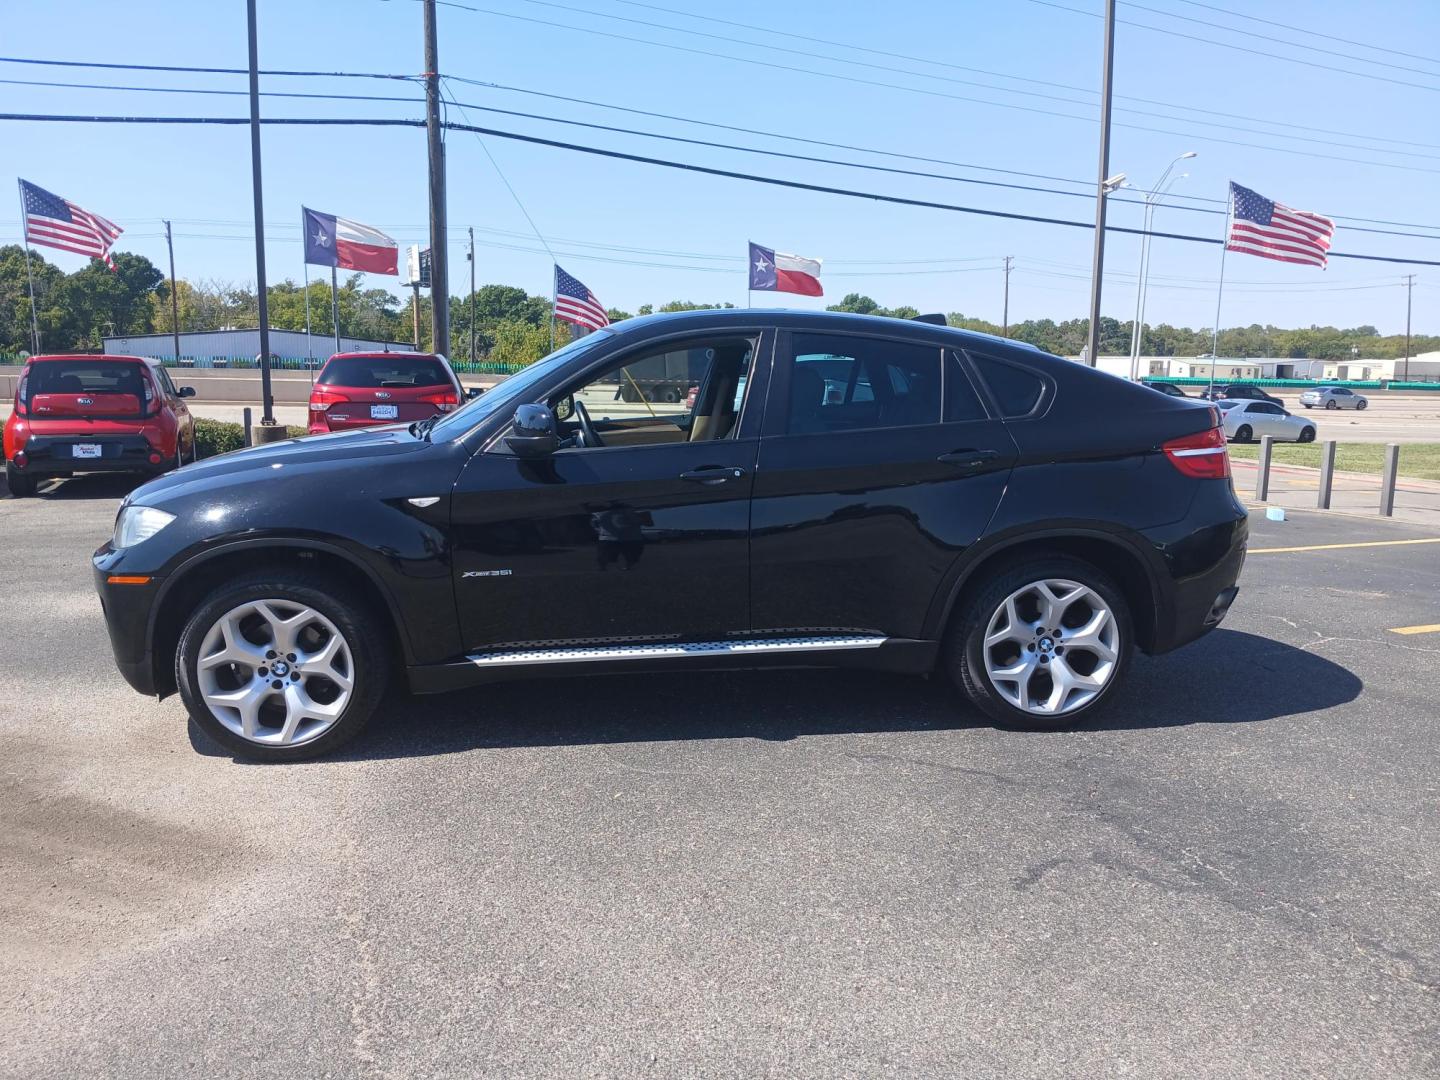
[713, 474]
[968, 459]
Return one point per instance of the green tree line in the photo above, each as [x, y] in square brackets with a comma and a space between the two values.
[76, 311]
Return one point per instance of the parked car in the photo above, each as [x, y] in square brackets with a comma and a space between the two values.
[1239, 392]
[91, 413]
[957, 510]
[1167, 388]
[1333, 397]
[1245, 421]
[355, 390]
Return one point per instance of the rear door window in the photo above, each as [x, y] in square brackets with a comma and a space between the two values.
[840, 382]
[377, 372]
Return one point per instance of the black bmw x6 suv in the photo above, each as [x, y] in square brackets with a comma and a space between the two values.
[831, 490]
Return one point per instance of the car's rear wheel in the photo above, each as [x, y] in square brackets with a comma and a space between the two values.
[20, 485]
[1306, 435]
[1331, 404]
[274, 667]
[1243, 433]
[1043, 646]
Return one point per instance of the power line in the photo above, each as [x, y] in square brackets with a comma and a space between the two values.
[1301, 30]
[771, 65]
[208, 91]
[1266, 53]
[1270, 37]
[199, 70]
[771, 181]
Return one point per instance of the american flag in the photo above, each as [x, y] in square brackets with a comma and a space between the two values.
[576, 304]
[51, 221]
[1272, 230]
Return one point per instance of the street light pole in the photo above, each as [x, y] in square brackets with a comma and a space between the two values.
[1409, 292]
[1005, 317]
[1152, 200]
[1103, 185]
[267, 403]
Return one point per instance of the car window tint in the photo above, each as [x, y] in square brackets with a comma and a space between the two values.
[962, 400]
[374, 372]
[165, 383]
[85, 377]
[1016, 390]
[843, 383]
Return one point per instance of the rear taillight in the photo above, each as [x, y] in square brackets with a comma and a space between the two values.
[321, 399]
[446, 400]
[21, 408]
[152, 400]
[1201, 455]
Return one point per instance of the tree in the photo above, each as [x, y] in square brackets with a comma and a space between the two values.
[15, 296]
[82, 308]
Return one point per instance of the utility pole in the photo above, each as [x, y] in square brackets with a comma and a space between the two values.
[1103, 185]
[472, 294]
[439, 263]
[1409, 293]
[415, 313]
[267, 410]
[1005, 318]
[174, 300]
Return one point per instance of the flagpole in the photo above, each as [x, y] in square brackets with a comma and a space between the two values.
[25, 232]
[1219, 295]
[335, 306]
[309, 341]
[554, 288]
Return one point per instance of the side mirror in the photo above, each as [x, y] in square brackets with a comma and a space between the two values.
[186, 391]
[473, 392]
[533, 434]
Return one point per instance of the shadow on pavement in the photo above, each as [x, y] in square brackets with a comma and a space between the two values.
[1228, 677]
[96, 486]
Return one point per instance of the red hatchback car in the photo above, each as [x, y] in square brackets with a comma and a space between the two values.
[88, 413]
[363, 389]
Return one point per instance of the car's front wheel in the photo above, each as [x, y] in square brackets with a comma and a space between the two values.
[1042, 646]
[20, 485]
[1306, 435]
[1361, 404]
[274, 667]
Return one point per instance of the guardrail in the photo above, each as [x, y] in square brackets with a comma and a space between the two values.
[291, 363]
[1298, 384]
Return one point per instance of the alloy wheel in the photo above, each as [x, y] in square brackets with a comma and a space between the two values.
[1052, 647]
[275, 672]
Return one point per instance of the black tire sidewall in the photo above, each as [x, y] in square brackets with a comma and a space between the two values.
[965, 644]
[356, 624]
[1243, 433]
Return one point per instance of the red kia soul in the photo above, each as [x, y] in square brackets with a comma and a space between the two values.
[88, 414]
[363, 389]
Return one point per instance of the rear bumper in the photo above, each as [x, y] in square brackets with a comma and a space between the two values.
[52, 455]
[1204, 562]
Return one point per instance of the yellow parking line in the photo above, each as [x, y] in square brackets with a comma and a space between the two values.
[1337, 547]
[1433, 628]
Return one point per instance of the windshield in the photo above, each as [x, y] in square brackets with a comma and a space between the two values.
[512, 390]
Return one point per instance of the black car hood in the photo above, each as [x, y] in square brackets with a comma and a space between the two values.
[341, 451]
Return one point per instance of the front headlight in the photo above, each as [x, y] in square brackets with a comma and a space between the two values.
[137, 523]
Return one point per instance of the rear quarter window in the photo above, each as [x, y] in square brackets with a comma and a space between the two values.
[1016, 390]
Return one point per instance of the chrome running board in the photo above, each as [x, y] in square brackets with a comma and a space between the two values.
[751, 647]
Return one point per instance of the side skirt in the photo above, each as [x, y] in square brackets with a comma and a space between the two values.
[874, 653]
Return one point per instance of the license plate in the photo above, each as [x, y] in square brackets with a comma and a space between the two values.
[384, 412]
[86, 450]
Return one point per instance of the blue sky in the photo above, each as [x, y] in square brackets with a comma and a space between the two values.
[998, 73]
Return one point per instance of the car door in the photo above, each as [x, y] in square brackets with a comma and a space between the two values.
[184, 422]
[644, 538]
[878, 465]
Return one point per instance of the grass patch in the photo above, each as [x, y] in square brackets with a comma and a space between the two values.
[1418, 460]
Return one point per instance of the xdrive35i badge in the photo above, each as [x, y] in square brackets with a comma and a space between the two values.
[486, 573]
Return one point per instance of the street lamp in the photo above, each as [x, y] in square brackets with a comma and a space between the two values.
[1152, 199]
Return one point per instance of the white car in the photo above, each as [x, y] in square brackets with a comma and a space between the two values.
[1249, 420]
[1333, 397]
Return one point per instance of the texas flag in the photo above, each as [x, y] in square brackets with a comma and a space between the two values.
[338, 241]
[777, 272]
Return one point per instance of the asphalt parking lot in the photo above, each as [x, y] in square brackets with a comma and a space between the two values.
[788, 874]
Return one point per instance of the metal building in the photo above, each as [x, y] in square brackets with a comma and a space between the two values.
[225, 348]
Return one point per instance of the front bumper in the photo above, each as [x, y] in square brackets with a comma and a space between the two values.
[127, 609]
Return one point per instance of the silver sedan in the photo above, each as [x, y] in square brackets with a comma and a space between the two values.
[1333, 397]
[1248, 420]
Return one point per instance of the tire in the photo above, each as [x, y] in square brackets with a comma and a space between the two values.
[1331, 404]
[20, 485]
[1306, 435]
[965, 652]
[1309, 406]
[1361, 405]
[1243, 433]
[289, 597]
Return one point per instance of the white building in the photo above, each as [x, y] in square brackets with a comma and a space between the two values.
[214, 348]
